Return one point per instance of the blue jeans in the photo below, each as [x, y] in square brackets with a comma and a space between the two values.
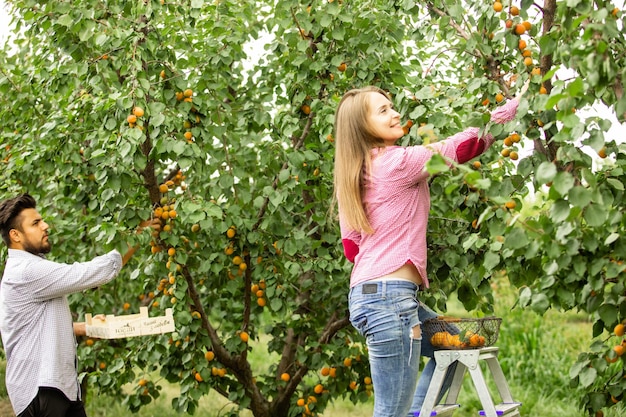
[385, 313]
[428, 350]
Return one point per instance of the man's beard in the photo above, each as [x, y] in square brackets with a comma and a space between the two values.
[37, 249]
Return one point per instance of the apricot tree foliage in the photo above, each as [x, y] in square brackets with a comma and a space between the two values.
[233, 151]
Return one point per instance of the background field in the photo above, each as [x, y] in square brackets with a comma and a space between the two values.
[535, 353]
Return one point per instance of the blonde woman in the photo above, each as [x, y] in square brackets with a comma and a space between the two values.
[383, 202]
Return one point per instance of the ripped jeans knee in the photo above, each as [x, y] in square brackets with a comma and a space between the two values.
[417, 332]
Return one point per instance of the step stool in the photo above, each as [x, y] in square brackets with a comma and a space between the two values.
[468, 360]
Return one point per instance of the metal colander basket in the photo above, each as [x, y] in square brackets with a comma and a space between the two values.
[462, 333]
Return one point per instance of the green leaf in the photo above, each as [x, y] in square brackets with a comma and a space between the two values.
[436, 164]
[580, 196]
[595, 215]
[540, 303]
[615, 184]
[576, 87]
[546, 172]
[608, 313]
[563, 182]
[492, 260]
[560, 211]
[587, 376]
[66, 20]
[157, 120]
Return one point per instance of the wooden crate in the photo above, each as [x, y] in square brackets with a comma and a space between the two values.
[130, 325]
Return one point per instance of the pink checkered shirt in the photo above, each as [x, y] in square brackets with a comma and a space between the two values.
[397, 201]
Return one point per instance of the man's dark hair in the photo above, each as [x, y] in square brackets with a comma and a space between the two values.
[10, 211]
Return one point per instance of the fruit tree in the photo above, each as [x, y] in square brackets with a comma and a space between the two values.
[216, 118]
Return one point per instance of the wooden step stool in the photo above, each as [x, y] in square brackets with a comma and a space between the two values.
[468, 360]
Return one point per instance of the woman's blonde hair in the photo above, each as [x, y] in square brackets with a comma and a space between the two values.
[353, 143]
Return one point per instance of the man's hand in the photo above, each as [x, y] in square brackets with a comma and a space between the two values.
[153, 223]
[80, 327]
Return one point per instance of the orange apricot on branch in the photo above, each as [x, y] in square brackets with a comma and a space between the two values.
[138, 111]
[497, 6]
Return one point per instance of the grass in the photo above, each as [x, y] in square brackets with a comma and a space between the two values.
[535, 353]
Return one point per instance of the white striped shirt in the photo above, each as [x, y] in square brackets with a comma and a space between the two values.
[36, 322]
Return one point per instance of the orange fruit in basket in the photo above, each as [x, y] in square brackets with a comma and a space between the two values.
[475, 340]
[440, 339]
[452, 340]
